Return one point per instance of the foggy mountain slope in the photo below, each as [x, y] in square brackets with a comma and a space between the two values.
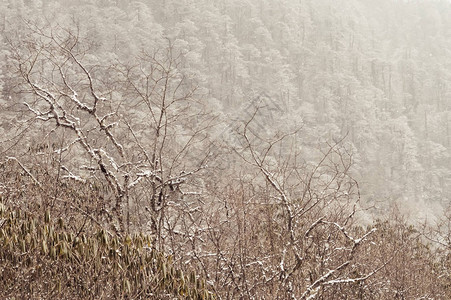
[379, 72]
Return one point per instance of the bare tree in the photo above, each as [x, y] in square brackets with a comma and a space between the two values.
[135, 126]
[281, 228]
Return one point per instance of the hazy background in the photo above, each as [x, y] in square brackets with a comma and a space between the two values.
[377, 72]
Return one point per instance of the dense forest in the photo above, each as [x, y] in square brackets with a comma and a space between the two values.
[268, 149]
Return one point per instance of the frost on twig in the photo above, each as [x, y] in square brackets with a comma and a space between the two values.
[72, 176]
[25, 170]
